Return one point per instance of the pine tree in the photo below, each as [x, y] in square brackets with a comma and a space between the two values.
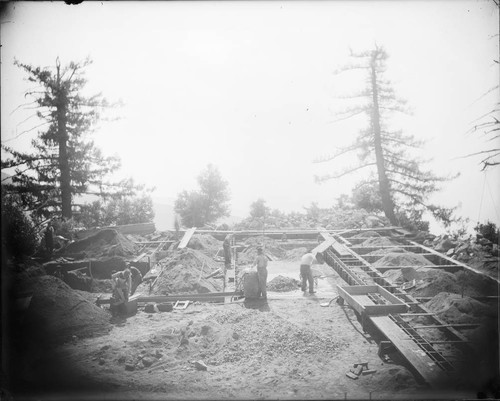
[64, 162]
[385, 152]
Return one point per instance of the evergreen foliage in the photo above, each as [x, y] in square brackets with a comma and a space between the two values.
[64, 161]
[19, 234]
[119, 211]
[384, 152]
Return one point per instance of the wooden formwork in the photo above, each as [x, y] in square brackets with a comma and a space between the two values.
[358, 297]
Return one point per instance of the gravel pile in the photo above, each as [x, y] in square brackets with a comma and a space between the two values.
[282, 284]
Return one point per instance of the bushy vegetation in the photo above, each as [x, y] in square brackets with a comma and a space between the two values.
[19, 235]
[489, 231]
[127, 210]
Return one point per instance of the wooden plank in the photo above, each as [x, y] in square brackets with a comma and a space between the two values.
[390, 297]
[454, 262]
[187, 236]
[341, 249]
[427, 369]
[186, 297]
[450, 267]
[361, 289]
[385, 310]
[350, 300]
[142, 255]
[323, 246]
[417, 314]
[436, 326]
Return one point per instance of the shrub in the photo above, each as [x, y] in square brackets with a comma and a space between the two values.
[488, 231]
[19, 236]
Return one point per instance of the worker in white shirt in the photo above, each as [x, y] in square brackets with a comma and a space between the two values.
[306, 262]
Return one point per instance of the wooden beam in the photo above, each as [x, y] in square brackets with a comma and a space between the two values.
[454, 262]
[187, 236]
[436, 326]
[426, 368]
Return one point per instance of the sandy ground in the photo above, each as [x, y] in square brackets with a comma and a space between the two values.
[288, 347]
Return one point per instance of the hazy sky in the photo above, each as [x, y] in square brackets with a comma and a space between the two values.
[249, 87]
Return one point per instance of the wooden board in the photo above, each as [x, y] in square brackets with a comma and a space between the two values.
[427, 369]
[323, 246]
[444, 267]
[187, 236]
[357, 297]
[339, 248]
[453, 261]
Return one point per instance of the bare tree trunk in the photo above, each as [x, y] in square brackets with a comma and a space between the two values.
[62, 137]
[384, 186]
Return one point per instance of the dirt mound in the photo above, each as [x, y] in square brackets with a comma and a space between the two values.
[385, 251]
[379, 241]
[282, 284]
[402, 259]
[284, 338]
[57, 312]
[184, 273]
[296, 253]
[205, 242]
[270, 247]
[401, 276]
[477, 285]
[107, 242]
[396, 378]
[433, 281]
[455, 309]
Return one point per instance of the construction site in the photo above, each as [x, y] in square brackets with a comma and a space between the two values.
[396, 315]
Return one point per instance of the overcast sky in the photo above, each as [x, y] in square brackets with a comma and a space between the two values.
[249, 87]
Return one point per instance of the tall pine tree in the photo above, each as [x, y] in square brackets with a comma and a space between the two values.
[385, 152]
[64, 162]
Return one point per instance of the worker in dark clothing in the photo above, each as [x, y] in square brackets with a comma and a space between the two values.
[227, 251]
[260, 263]
[49, 238]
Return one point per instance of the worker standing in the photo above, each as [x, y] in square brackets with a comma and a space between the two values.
[227, 251]
[306, 262]
[261, 264]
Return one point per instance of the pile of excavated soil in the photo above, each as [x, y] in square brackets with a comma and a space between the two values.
[57, 312]
[107, 242]
[396, 378]
[402, 259]
[454, 309]
[282, 284]
[205, 242]
[379, 241]
[184, 272]
[270, 247]
[296, 253]
[283, 338]
[434, 281]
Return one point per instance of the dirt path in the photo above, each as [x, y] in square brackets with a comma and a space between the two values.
[288, 347]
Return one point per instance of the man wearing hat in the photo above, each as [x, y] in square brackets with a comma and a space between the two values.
[261, 264]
